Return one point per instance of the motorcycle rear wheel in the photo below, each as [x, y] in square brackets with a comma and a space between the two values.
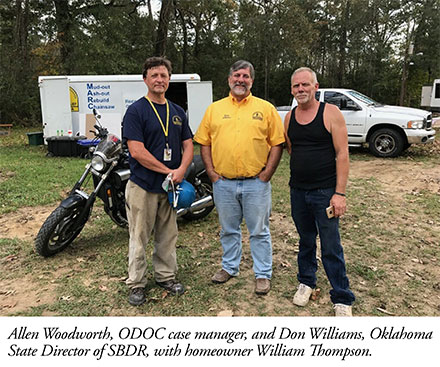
[203, 190]
[58, 230]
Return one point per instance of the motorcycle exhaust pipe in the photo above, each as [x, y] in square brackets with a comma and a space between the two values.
[197, 205]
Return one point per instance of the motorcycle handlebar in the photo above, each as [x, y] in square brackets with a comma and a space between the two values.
[96, 113]
[102, 131]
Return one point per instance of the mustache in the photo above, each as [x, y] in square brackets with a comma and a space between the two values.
[238, 84]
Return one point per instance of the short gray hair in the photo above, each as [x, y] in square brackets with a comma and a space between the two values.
[305, 68]
[242, 64]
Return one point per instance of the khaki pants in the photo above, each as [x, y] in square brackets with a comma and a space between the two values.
[146, 212]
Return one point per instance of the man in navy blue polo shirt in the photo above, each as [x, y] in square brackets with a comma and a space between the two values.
[160, 142]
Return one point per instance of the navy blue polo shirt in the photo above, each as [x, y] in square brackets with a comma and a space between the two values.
[140, 123]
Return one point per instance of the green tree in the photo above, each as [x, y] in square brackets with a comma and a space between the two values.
[275, 36]
[18, 87]
[423, 63]
[202, 40]
[387, 49]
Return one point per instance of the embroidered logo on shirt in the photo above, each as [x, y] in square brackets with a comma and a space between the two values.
[177, 120]
[226, 116]
[257, 116]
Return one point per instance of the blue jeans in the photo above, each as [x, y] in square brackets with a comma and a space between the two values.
[310, 217]
[249, 199]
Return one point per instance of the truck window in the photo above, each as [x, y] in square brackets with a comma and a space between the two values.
[336, 98]
[437, 90]
[317, 94]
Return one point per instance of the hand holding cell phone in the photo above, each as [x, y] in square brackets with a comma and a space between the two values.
[330, 212]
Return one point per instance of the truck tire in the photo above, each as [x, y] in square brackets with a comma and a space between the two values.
[386, 143]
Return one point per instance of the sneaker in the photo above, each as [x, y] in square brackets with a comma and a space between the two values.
[137, 296]
[262, 286]
[342, 310]
[172, 286]
[222, 276]
[302, 295]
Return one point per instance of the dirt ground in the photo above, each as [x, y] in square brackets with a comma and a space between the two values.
[397, 178]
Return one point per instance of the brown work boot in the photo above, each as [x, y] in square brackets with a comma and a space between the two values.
[262, 286]
[221, 276]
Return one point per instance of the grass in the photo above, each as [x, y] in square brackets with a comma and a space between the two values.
[383, 236]
[27, 177]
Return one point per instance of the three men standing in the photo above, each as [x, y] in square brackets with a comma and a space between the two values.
[241, 139]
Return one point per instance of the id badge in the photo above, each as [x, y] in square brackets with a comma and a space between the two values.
[167, 154]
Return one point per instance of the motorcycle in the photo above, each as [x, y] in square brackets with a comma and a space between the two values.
[109, 169]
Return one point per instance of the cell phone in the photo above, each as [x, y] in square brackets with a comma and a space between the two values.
[330, 212]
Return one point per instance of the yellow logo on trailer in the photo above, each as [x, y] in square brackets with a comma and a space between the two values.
[74, 101]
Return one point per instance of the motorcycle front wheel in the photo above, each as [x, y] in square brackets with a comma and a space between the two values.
[59, 230]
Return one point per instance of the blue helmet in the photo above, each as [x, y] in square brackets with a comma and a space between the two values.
[183, 195]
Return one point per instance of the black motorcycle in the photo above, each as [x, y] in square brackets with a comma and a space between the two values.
[109, 169]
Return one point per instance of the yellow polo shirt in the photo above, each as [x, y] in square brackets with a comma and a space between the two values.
[240, 135]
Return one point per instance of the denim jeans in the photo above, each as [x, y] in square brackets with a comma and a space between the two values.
[310, 217]
[249, 199]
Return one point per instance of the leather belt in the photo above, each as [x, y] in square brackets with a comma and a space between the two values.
[241, 178]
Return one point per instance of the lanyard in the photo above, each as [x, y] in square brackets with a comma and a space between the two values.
[165, 129]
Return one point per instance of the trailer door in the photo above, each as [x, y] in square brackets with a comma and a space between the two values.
[55, 106]
[435, 101]
[199, 98]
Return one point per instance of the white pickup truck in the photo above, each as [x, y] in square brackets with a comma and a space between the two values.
[388, 130]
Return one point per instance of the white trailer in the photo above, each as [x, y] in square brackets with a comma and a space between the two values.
[431, 96]
[67, 102]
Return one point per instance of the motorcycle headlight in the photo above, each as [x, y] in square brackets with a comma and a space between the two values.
[415, 124]
[98, 163]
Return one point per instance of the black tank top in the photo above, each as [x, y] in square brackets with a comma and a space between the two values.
[313, 157]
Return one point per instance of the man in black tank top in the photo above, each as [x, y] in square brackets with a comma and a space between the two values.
[317, 142]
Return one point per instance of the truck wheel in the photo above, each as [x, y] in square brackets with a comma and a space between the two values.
[386, 143]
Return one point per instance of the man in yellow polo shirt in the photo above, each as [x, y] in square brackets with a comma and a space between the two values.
[241, 139]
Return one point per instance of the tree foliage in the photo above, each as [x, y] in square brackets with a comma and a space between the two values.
[387, 49]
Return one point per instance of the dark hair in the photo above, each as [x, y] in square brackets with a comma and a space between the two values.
[242, 64]
[154, 61]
